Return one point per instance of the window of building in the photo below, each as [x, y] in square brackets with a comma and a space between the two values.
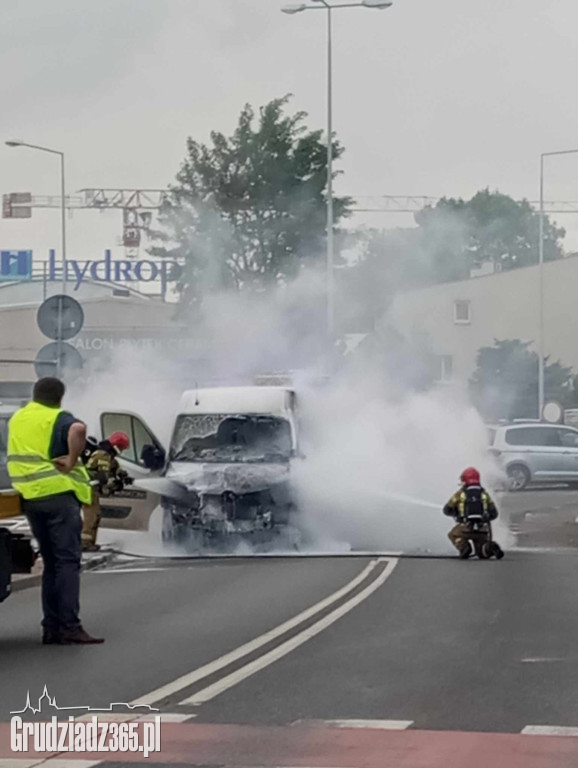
[462, 312]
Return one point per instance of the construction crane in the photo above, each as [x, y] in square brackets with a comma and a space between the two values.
[415, 203]
[137, 206]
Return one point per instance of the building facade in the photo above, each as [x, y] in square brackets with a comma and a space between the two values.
[456, 319]
[114, 320]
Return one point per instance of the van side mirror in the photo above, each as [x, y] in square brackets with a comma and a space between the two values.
[152, 457]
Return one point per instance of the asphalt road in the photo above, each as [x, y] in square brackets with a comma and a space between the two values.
[436, 643]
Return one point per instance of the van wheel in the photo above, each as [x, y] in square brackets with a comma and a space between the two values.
[172, 531]
[518, 476]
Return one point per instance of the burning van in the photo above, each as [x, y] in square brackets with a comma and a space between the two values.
[227, 475]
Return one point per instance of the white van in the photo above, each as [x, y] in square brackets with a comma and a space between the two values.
[227, 474]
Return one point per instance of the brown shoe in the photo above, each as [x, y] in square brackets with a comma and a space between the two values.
[50, 638]
[79, 637]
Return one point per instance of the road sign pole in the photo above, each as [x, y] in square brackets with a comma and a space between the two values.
[59, 340]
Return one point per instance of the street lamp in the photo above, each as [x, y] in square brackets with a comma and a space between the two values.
[541, 279]
[324, 5]
[14, 143]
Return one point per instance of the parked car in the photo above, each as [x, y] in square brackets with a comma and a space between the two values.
[536, 453]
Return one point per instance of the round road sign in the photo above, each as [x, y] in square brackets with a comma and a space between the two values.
[47, 359]
[60, 317]
[553, 412]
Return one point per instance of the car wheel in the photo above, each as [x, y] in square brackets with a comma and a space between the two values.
[518, 476]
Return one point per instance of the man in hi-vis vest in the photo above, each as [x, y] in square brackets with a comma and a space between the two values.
[44, 448]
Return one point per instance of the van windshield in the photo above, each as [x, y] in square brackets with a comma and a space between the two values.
[231, 438]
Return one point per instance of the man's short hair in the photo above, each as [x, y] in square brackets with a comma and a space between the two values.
[48, 391]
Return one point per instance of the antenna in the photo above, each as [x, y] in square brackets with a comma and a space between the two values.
[196, 393]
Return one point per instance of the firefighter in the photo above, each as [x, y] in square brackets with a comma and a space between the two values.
[471, 499]
[107, 477]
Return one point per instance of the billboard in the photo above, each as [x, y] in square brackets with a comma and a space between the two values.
[15, 265]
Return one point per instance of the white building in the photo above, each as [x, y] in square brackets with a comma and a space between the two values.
[456, 319]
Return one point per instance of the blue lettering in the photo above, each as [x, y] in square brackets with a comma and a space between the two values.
[52, 264]
[138, 271]
[124, 268]
[19, 263]
[95, 265]
[78, 272]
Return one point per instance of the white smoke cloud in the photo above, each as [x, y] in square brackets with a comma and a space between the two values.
[380, 461]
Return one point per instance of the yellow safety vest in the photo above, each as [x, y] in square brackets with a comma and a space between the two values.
[31, 470]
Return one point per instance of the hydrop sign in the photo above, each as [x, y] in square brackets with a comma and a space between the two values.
[113, 271]
[15, 265]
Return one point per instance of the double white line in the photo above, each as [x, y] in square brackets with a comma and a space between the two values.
[251, 667]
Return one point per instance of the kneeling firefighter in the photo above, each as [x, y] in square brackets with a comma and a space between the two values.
[107, 478]
[473, 510]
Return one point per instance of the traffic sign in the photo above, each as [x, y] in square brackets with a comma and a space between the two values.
[58, 358]
[553, 412]
[60, 317]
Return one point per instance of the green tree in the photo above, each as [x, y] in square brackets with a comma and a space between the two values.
[450, 239]
[249, 210]
[489, 227]
[505, 382]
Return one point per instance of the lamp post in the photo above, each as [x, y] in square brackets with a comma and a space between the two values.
[16, 143]
[324, 5]
[541, 354]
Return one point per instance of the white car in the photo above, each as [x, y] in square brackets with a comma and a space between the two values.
[536, 452]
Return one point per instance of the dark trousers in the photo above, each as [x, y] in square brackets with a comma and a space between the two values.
[56, 524]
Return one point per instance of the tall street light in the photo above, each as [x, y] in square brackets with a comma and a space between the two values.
[15, 143]
[541, 354]
[324, 5]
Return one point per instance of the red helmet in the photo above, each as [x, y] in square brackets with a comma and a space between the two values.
[470, 476]
[120, 441]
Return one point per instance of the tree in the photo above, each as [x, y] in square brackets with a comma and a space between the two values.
[250, 209]
[505, 382]
[489, 227]
[449, 240]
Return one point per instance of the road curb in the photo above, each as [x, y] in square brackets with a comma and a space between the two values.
[34, 580]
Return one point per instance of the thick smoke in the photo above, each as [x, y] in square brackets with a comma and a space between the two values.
[379, 459]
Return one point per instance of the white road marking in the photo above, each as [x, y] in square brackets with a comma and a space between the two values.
[108, 717]
[380, 725]
[206, 694]
[253, 645]
[166, 717]
[57, 762]
[549, 730]
[131, 570]
[542, 660]
[20, 762]
[46, 762]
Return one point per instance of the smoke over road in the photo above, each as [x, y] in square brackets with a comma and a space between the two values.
[379, 458]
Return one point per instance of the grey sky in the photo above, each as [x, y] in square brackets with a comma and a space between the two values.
[431, 96]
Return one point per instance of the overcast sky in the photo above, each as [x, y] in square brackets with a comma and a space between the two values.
[432, 97]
